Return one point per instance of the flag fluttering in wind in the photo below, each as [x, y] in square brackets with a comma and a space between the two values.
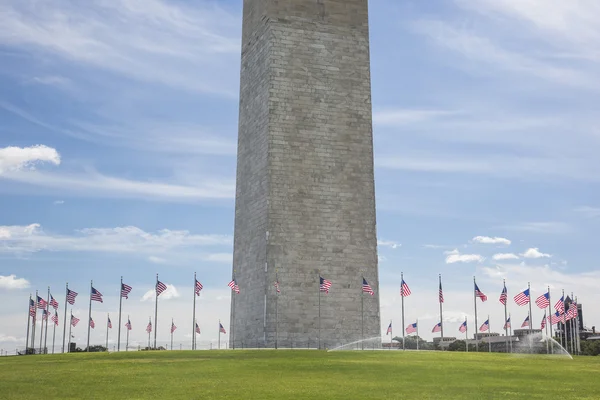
[32, 310]
[463, 327]
[128, 325]
[173, 327]
[572, 312]
[479, 293]
[543, 301]
[437, 328]
[404, 289]
[522, 298]
[389, 329]
[53, 303]
[74, 320]
[92, 323]
[109, 323]
[485, 326]
[221, 329]
[55, 318]
[366, 288]
[525, 323]
[197, 288]
[325, 285]
[125, 289]
[44, 315]
[560, 305]
[412, 328]
[41, 303]
[544, 321]
[507, 324]
[160, 287]
[71, 296]
[149, 327]
[556, 318]
[441, 294]
[503, 296]
[96, 295]
[234, 286]
[197, 328]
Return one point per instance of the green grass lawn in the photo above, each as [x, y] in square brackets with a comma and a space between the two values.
[298, 374]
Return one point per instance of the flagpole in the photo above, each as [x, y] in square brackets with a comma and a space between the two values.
[65, 318]
[572, 323]
[42, 330]
[155, 310]
[441, 314]
[319, 337]
[70, 325]
[33, 323]
[578, 340]
[546, 326]
[149, 323]
[417, 334]
[391, 334]
[402, 295]
[219, 334]
[475, 300]
[28, 323]
[54, 330]
[47, 317]
[490, 335]
[107, 319]
[511, 333]
[194, 316]
[506, 316]
[564, 322]
[362, 317]
[127, 342]
[466, 334]
[120, 308]
[550, 321]
[90, 317]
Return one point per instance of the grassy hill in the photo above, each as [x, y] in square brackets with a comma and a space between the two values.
[298, 374]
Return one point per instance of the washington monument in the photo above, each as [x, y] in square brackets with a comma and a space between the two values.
[305, 197]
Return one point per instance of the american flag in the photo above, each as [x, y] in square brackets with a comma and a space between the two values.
[572, 312]
[125, 289]
[325, 285]
[149, 327]
[503, 296]
[32, 309]
[437, 328]
[44, 315]
[55, 318]
[404, 289]
[507, 324]
[71, 296]
[485, 326]
[96, 295]
[109, 323]
[277, 287]
[366, 288]
[128, 324]
[560, 305]
[41, 303]
[173, 327]
[221, 329]
[160, 287]
[441, 294]
[53, 303]
[556, 318]
[74, 320]
[522, 298]
[543, 301]
[389, 329]
[525, 323]
[234, 286]
[412, 328]
[463, 327]
[197, 288]
[479, 293]
[197, 329]
[544, 321]
[92, 323]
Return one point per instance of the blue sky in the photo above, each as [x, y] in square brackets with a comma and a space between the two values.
[118, 148]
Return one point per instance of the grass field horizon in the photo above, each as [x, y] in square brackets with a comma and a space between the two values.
[298, 374]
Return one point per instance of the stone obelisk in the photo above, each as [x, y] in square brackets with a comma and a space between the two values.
[305, 197]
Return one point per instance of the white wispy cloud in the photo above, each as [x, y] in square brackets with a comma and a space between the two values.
[388, 243]
[126, 239]
[152, 40]
[157, 260]
[505, 256]
[12, 282]
[538, 227]
[17, 158]
[589, 212]
[491, 240]
[454, 256]
[58, 202]
[170, 293]
[534, 252]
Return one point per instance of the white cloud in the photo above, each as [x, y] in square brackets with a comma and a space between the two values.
[505, 256]
[12, 282]
[220, 257]
[58, 202]
[589, 212]
[388, 243]
[395, 117]
[6, 338]
[491, 240]
[157, 260]
[126, 239]
[538, 227]
[454, 256]
[535, 253]
[170, 293]
[17, 158]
